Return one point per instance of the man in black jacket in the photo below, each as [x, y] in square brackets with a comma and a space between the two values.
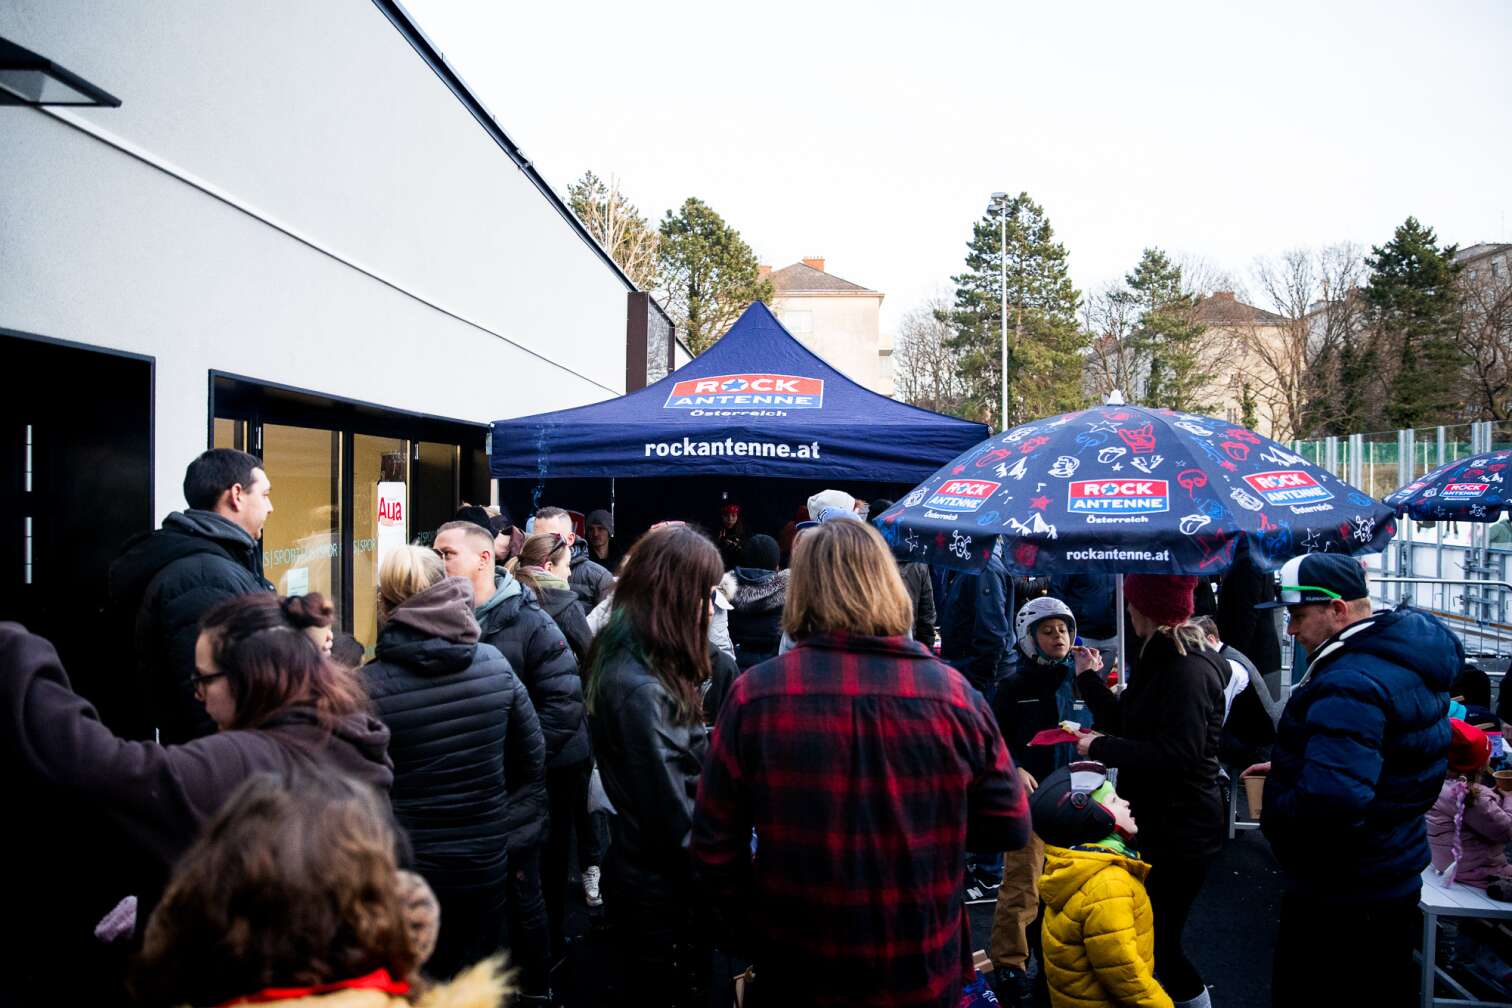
[513, 621]
[164, 581]
[590, 580]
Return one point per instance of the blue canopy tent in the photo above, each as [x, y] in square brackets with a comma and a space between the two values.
[756, 405]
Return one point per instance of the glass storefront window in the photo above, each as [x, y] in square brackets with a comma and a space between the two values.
[433, 489]
[374, 460]
[302, 540]
[230, 434]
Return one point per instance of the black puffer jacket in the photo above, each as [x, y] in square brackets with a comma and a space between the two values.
[513, 621]
[650, 766]
[561, 604]
[464, 735]
[756, 619]
[590, 580]
[158, 590]
[1162, 734]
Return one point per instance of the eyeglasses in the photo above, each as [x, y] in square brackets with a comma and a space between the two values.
[198, 681]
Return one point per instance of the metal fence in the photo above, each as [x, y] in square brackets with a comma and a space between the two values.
[1448, 568]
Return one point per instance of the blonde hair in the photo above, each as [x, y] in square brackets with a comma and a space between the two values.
[405, 573]
[1186, 636]
[844, 580]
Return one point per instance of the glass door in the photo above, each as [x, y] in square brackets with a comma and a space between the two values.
[302, 540]
[380, 481]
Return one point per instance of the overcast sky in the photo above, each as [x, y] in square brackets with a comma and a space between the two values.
[873, 134]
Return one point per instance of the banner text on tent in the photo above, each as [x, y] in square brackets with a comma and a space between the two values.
[687, 447]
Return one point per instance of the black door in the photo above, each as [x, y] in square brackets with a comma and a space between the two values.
[76, 466]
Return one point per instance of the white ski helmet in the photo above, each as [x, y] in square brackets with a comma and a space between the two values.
[1034, 611]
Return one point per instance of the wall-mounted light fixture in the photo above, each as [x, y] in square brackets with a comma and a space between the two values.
[29, 79]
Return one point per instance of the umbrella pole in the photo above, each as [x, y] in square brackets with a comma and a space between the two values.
[1119, 603]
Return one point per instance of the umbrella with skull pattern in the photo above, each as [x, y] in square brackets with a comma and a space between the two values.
[1468, 489]
[1121, 488]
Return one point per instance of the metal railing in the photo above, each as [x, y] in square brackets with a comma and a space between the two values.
[1478, 612]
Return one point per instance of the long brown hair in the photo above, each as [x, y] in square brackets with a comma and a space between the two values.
[845, 581]
[293, 883]
[661, 614]
[258, 642]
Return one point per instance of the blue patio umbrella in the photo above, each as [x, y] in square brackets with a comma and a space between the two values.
[1119, 488]
[1471, 489]
[1125, 488]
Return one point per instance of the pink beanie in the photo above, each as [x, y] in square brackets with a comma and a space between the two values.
[1164, 598]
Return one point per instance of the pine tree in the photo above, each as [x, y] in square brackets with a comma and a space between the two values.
[708, 272]
[1045, 344]
[618, 226]
[1414, 307]
[1249, 407]
[1166, 342]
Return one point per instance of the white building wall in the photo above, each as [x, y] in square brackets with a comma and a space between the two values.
[843, 329]
[361, 236]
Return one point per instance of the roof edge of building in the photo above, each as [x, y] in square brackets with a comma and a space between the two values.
[421, 43]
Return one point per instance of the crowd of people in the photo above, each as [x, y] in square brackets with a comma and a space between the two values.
[787, 752]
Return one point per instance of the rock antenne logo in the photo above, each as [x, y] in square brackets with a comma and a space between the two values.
[1463, 491]
[1287, 487]
[745, 390]
[961, 495]
[1130, 496]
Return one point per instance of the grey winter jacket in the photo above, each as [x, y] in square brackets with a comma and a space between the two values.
[465, 736]
[159, 588]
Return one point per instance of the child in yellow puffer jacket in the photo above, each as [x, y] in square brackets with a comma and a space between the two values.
[1098, 932]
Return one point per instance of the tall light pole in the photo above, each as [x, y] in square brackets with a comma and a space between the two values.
[1000, 200]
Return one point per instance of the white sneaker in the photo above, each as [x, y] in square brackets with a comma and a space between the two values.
[591, 894]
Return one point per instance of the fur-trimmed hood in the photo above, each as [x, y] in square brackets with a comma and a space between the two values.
[759, 589]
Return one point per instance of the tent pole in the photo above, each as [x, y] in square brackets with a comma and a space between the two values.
[1123, 665]
[611, 498]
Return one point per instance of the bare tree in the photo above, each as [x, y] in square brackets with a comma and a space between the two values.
[1486, 337]
[926, 371]
[1298, 364]
[1112, 363]
[618, 226]
[1201, 277]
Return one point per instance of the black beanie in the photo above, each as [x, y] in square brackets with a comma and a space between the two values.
[476, 515]
[1064, 817]
[759, 552]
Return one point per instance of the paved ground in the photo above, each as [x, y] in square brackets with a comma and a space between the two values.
[1231, 935]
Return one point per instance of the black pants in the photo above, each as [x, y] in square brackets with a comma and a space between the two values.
[1329, 952]
[473, 926]
[529, 933]
[567, 797]
[1173, 885]
[664, 956]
